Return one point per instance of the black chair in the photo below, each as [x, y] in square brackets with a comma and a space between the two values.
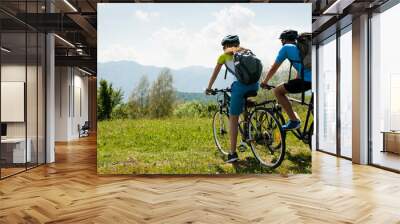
[84, 130]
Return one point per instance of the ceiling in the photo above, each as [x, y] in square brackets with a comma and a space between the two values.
[75, 21]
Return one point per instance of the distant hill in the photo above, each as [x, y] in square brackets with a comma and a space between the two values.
[189, 82]
[126, 75]
[201, 97]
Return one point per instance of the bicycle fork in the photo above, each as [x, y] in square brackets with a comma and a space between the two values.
[244, 132]
[222, 124]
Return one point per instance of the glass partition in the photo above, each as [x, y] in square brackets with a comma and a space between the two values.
[22, 78]
[32, 87]
[14, 153]
[327, 95]
[41, 79]
[31, 98]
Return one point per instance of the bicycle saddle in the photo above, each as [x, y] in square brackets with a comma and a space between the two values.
[250, 94]
[249, 102]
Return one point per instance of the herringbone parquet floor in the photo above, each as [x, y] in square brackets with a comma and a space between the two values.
[70, 191]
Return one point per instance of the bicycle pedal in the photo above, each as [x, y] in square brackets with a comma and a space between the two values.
[242, 147]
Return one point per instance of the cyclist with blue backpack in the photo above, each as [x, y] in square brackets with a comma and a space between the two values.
[297, 49]
[246, 70]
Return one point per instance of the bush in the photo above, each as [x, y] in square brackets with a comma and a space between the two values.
[120, 112]
[195, 109]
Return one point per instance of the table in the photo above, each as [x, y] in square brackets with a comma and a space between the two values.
[391, 141]
[16, 147]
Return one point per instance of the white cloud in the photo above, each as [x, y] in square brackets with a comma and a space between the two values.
[145, 16]
[232, 18]
[241, 21]
[177, 47]
[117, 52]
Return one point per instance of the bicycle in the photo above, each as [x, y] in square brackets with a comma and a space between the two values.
[304, 134]
[258, 128]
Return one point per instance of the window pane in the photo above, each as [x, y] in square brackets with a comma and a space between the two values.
[385, 84]
[327, 96]
[346, 94]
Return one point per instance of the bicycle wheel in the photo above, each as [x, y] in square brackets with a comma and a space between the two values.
[267, 139]
[221, 132]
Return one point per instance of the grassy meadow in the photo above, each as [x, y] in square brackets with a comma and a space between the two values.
[161, 131]
[180, 146]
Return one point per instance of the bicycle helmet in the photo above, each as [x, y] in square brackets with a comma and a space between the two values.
[230, 39]
[289, 35]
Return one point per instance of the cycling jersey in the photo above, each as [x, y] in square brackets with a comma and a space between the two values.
[291, 52]
[227, 59]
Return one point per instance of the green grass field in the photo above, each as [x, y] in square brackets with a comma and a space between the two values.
[179, 146]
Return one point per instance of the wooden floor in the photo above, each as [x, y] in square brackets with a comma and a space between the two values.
[5, 172]
[386, 159]
[70, 191]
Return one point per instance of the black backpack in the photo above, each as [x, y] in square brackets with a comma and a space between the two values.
[248, 67]
[304, 44]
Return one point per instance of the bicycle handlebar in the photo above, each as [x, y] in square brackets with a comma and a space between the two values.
[215, 91]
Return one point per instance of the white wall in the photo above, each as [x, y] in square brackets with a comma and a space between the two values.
[71, 94]
[80, 110]
[62, 82]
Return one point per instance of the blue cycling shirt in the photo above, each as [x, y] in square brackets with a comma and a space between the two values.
[291, 52]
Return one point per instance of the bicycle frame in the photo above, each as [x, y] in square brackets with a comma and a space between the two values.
[224, 108]
[224, 103]
[299, 134]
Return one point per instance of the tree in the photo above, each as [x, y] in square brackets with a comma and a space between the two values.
[162, 95]
[116, 96]
[107, 99]
[104, 106]
[139, 100]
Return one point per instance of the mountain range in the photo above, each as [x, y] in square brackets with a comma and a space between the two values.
[126, 75]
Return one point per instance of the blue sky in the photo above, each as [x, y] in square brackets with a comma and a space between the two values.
[178, 35]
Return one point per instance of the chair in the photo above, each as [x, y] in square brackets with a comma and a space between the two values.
[84, 130]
